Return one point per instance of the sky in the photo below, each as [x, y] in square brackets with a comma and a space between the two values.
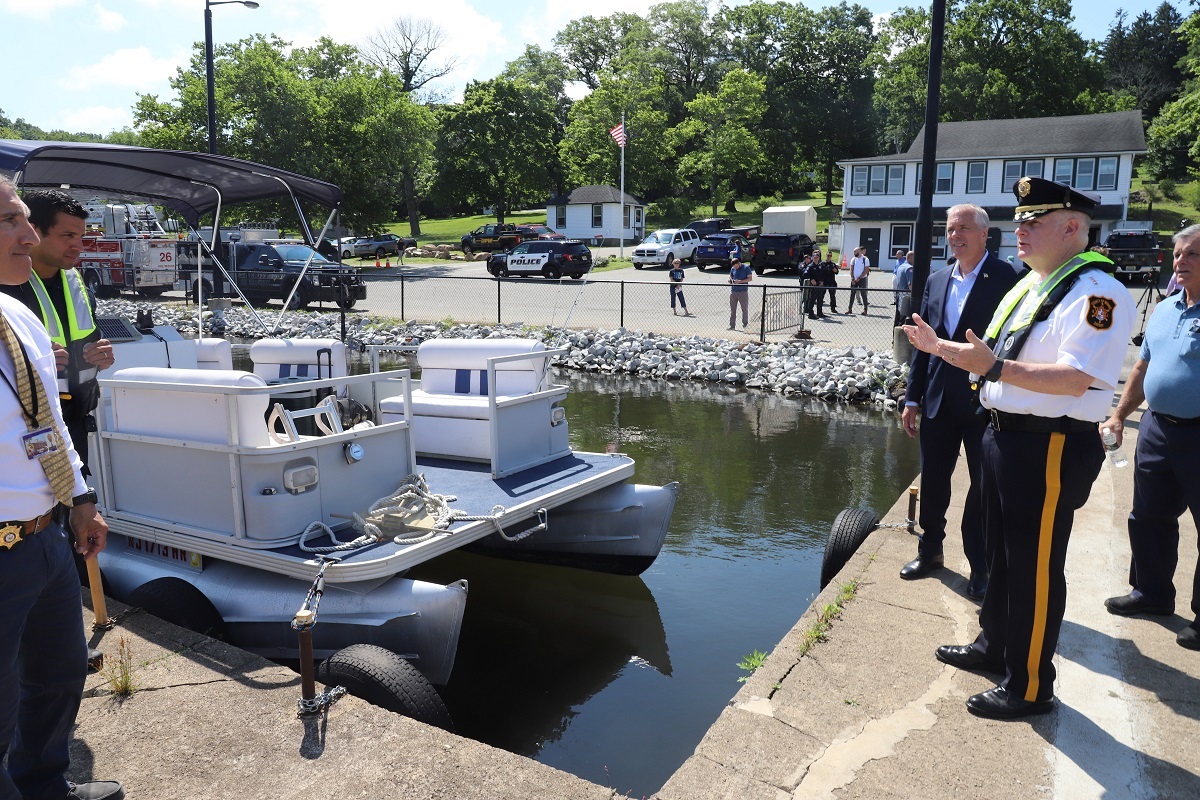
[79, 65]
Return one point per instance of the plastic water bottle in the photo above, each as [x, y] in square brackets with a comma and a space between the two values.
[1116, 453]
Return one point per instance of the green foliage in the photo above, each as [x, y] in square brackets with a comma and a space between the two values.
[669, 212]
[496, 147]
[1168, 189]
[993, 65]
[1190, 194]
[768, 201]
[318, 111]
[750, 664]
[718, 134]
[1173, 147]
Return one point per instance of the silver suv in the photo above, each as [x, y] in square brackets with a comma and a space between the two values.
[664, 246]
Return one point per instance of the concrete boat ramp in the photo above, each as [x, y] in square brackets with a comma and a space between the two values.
[867, 712]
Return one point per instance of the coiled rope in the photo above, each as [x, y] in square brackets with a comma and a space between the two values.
[411, 499]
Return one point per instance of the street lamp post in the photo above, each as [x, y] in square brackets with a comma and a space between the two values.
[208, 63]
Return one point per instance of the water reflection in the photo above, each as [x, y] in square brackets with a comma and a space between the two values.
[616, 679]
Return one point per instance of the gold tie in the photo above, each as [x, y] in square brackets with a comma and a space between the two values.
[57, 464]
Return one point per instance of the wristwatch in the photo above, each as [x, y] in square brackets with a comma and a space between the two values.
[87, 497]
[993, 374]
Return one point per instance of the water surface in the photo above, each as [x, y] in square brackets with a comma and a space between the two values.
[616, 679]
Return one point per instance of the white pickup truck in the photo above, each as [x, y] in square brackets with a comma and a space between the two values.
[664, 246]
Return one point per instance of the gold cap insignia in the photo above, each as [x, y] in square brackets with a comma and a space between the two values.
[1023, 187]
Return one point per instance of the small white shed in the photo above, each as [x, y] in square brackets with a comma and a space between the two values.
[596, 214]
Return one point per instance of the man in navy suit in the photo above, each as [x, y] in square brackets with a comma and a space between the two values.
[956, 300]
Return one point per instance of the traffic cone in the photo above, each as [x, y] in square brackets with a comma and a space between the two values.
[388, 263]
[377, 263]
[843, 262]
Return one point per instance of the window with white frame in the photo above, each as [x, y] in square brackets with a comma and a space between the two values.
[895, 179]
[1085, 174]
[625, 217]
[976, 177]
[560, 217]
[943, 181]
[901, 238]
[1064, 169]
[637, 216]
[858, 181]
[1015, 170]
[597, 215]
[878, 179]
[1106, 175]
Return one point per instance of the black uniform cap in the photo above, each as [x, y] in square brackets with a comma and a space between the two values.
[1038, 196]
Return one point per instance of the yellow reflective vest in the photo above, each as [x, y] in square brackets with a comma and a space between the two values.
[80, 322]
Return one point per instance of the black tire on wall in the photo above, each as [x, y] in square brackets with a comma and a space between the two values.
[180, 603]
[850, 529]
[381, 677]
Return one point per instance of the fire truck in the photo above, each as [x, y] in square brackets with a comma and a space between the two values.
[126, 248]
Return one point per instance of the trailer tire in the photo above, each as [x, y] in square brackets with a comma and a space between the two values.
[196, 291]
[152, 292]
[850, 529]
[180, 603]
[382, 678]
[91, 279]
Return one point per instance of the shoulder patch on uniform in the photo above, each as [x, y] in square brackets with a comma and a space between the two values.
[1099, 312]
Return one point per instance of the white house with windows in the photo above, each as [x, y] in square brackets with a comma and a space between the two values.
[978, 162]
[591, 211]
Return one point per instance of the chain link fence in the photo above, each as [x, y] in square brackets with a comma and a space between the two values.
[775, 311]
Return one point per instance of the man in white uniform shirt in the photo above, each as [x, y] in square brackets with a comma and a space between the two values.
[1049, 367]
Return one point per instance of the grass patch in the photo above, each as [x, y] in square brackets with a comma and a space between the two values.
[450, 230]
[118, 671]
[824, 621]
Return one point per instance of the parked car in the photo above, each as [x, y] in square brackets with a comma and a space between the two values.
[550, 259]
[332, 248]
[1135, 253]
[723, 225]
[719, 249]
[779, 251]
[666, 245]
[381, 245]
[543, 232]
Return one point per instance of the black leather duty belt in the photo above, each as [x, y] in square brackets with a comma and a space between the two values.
[1177, 420]
[11, 533]
[1028, 423]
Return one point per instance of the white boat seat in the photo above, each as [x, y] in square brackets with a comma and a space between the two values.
[214, 354]
[192, 415]
[451, 408]
[290, 359]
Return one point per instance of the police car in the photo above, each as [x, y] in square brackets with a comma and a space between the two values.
[550, 259]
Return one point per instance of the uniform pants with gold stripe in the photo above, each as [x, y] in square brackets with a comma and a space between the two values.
[1032, 485]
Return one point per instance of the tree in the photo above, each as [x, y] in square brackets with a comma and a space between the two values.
[590, 156]
[318, 111]
[1171, 141]
[719, 131]
[406, 49]
[1142, 60]
[996, 56]
[494, 148]
[545, 70]
[588, 46]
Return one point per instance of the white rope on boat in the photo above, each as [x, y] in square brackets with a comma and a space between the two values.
[411, 498]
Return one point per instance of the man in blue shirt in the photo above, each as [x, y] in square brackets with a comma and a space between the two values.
[902, 286]
[740, 276]
[1167, 377]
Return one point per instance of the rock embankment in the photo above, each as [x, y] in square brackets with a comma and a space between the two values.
[839, 374]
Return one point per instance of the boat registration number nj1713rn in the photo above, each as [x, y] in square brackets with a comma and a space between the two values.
[163, 552]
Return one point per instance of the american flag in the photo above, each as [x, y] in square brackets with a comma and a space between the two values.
[618, 133]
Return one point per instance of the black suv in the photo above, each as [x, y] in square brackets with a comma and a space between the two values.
[779, 251]
[267, 272]
[550, 258]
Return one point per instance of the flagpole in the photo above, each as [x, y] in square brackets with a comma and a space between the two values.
[622, 216]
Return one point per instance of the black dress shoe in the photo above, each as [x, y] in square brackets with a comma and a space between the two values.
[921, 566]
[1129, 604]
[964, 656]
[95, 660]
[998, 704]
[1189, 637]
[977, 587]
